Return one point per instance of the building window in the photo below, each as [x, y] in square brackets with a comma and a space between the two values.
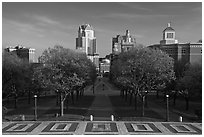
[169, 35]
[183, 51]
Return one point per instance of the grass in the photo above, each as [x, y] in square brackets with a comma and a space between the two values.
[180, 107]
[124, 111]
[80, 110]
[47, 108]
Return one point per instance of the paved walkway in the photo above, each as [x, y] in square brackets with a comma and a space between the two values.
[99, 127]
[101, 107]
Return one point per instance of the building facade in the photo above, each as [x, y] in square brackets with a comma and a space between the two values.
[122, 43]
[184, 53]
[169, 36]
[86, 43]
[23, 52]
[104, 65]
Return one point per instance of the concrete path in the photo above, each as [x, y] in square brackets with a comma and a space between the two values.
[100, 127]
[101, 107]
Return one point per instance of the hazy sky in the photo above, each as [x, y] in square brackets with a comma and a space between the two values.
[43, 25]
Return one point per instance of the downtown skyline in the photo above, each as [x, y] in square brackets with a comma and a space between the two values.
[43, 25]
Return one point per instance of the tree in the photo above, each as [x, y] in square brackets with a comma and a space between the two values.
[190, 85]
[14, 75]
[144, 69]
[63, 71]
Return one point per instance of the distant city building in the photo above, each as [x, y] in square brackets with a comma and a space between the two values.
[23, 52]
[95, 59]
[122, 43]
[184, 52]
[104, 65]
[86, 43]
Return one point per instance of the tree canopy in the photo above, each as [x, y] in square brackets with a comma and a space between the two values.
[14, 74]
[192, 80]
[63, 70]
[143, 69]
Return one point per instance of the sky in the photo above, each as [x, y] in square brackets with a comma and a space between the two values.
[42, 25]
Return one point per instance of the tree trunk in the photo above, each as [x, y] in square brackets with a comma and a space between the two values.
[146, 101]
[62, 104]
[82, 92]
[130, 99]
[29, 97]
[126, 95]
[157, 94]
[174, 103]
[123, 92]
[72, 94]
[77, 95]
[93, 87]
[135, 101]
[15, 101]
[187, 102]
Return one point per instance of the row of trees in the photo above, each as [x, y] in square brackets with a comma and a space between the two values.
[141, 70]
[61, 70]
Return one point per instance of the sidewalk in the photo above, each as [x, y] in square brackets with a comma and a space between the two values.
[100, 128]
[101, 106]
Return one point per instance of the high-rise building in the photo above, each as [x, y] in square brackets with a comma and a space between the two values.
[23, 52]
[86, 42]
[122, 43]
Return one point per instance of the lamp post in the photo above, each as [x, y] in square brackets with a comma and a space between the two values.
[167, 108]
[143, 100]
[35, 105]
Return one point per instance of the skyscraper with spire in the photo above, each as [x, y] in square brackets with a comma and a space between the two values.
[86, 43]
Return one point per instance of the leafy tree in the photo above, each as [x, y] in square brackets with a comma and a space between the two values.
[190, 85]
[63, 71]
[143, 69]
[14, 75]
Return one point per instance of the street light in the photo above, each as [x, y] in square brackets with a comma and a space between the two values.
[167, 108]
[143, 102]
[35, 105]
